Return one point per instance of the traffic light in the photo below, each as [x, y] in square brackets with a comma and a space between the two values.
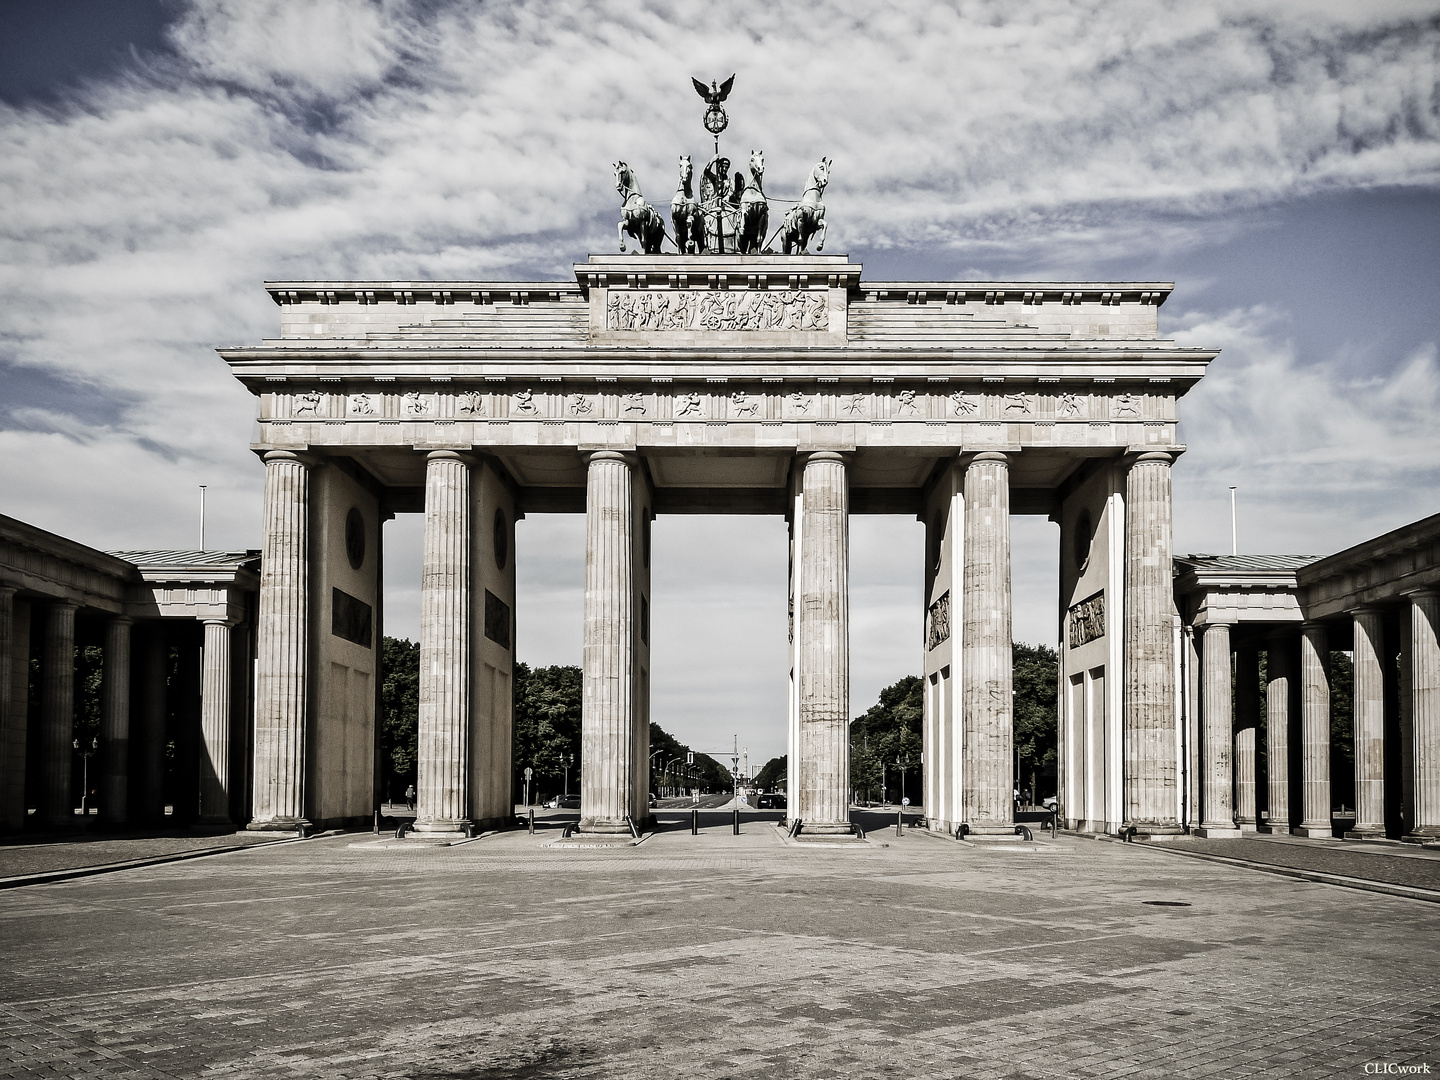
[690, 757]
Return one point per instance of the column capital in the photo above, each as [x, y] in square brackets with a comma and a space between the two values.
[1152, 457]
[281, 457]
[611, 455]
[116, 620]
[1367, 609]
[58, 604]
[218, 622]
[824, 455]
[7, 590]
[1428, 592]
[986, 457]
[449, 455]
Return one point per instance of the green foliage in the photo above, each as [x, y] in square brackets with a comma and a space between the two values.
[89, 666]
[1036, 671]
[889, 732]
[707, 773]
[773, 775]
[547, 721]
[399, 714]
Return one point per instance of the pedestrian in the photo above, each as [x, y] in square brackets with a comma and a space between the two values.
[410, 797]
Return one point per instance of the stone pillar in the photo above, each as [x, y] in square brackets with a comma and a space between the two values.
[115, 724]
[57, 715]
[986, 652]
[1314, 731]
[147, 790]
[1369, 725]
[215, 724]
[823, 622]
[1150, 756]
[443, 788]
[283, 646]
[607, 727]
[1424, 617]
[1217, 718]
[12, 765]
[1247, 719]
[1280, 669]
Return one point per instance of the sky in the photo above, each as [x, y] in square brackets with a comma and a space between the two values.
[1279, 161]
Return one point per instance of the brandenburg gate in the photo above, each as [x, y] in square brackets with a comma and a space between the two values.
[715, 383]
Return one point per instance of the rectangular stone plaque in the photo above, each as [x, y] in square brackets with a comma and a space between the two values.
[1087, 620]
[497, 619]
[350, 618]
[648, 310]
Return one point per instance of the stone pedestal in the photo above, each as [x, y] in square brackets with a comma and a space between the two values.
[283, 646]
[443, 794]
[57, 716]
[1247, 718]
[608, 772]
[1424, 620]
[215, 724]
[823, 624]
[115, 724]
[1369, 725]
[1280, 669]
[986, 653]
[1217, 719]
[1150, 766]
[1314, 732]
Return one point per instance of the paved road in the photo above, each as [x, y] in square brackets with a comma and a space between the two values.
[712, 956]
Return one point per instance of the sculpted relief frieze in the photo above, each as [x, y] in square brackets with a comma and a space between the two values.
[656, 310]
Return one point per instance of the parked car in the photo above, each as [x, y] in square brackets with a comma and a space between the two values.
[564, 802]
[771, 801]
[1048, 802]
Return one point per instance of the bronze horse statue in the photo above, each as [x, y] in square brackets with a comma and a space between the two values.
[807, 218]
[685, 216]
[754, 207]
[637, 217]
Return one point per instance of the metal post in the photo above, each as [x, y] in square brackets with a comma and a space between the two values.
[532, 820]
[737, 821]
[900, 822]
[695, 821]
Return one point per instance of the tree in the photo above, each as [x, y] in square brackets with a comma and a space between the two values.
[773, 775]
[889, 732]
[547, 722]
[399, 713]
[1036, 671]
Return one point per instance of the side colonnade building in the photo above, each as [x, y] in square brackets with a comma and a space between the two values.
[1379, 601]
[175, 633]
[763, 384]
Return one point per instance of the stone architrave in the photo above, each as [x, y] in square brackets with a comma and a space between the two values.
[1424, 617]
[57, 715]
[1247, 719]
[1150, 763]
[1369, 725]
[1280, 671]
[215, 680]
[986, 652]
[823, 796]
[115, 724]
[1314, 732]
[443, 800]
[282, 662]
[1218, 816]
[607, 712]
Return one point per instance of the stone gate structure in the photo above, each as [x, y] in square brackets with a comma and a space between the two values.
[659, 384]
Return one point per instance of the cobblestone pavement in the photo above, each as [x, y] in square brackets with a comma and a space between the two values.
[1398, 864]
[712, 956]
[39, 857]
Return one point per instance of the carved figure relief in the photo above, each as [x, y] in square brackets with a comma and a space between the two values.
[472, 403]
[1018, 403]
[308, 403]
[1068, 405]
[798, 401]
[963, 404]
[633, 403]
[855, 405]
[906, 401]
[361, 405]
[645, 309]
[688, 405]
[414, 404]
[937, 622]
[580, 405]
[1087, 620]
[522, 402]
[744, 404]
[1127, 405]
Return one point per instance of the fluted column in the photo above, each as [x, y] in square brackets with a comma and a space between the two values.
[1369, 700]
[824, 628]
[1314, 731]
[57, 715]
[12, 763]
[147, 785]
[1280, 669]
[1217, 718]
[215, 677]
[986, 652]
[1150, 757]
[443, 787]
[607, 710]
[115, 724]
[1247, 719]
[282, 645]
[1424, 617]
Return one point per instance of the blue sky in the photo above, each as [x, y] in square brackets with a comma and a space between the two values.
[1280, 161]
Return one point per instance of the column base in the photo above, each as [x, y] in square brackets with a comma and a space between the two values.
[1250, 828]
[831, 828]
[1313, 832]
[1427, 835]
[602, 827]
[1218, 832]
[1366, 832]
[443, 829]
[1278, 830]
[280, 825]
[1155, 831]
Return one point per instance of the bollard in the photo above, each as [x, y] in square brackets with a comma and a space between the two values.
[695, 822]
[737, 821]
[532, 821]
[377, 822]
[899, 822]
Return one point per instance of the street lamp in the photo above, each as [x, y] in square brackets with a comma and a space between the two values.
[85, 756]
[569, 760]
